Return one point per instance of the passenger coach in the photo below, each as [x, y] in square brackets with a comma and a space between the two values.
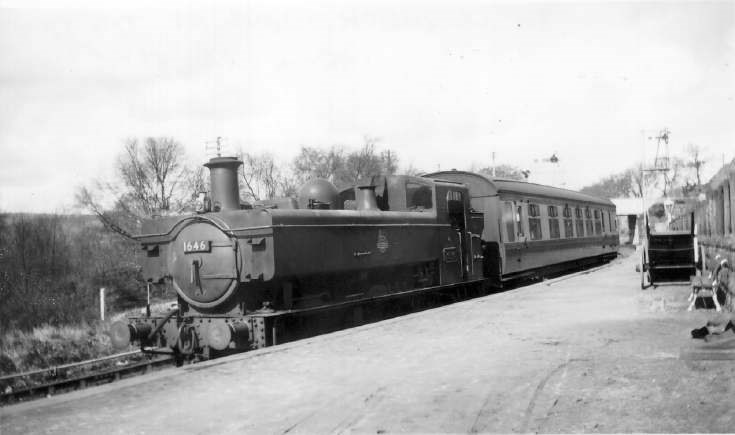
[530, 229]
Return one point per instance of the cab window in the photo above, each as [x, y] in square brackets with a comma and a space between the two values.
[418, 197]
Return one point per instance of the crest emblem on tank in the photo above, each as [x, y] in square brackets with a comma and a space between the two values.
[383, 243]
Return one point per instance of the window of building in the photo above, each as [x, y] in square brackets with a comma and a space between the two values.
[418, 197]
[534, 222]
[554, 232]
[568, 222]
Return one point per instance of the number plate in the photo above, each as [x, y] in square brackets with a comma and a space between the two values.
[197, 246]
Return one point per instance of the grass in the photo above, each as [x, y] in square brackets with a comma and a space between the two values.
[48, 346]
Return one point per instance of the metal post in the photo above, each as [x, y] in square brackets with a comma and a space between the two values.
[102, 303]
[148, 302]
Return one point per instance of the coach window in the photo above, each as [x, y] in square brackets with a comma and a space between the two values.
[568, 222]
[598, 222]
[510, 233]
[519, 221]
[534, 222]
[554, 232]
[603, 220]
[418, 197]
[614, 219]
[588, 221]
[579, 222]
[609, 221]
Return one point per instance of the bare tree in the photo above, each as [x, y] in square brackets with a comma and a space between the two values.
[613, 186]
[696, 162]
[152, 173]
[643, 180]
[672, 177]
[263, 178]
[366, 162]
[152, 179]
[342, 168]
[115, 219]
[316, 163]
[363, 163]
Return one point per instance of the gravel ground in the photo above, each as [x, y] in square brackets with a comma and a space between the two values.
[588, 353]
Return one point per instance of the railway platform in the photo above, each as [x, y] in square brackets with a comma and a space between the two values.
[591, 352]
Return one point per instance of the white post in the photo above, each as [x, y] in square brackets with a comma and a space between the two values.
[148, 300]
[102, 303]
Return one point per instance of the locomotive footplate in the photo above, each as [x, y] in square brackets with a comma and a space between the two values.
[222, 335]
[269, 328]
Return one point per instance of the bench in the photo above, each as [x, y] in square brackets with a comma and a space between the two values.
[710, 285]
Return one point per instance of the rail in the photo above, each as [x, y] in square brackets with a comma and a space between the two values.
[47, 388]
[56, 369]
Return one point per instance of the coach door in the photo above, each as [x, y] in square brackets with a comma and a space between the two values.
[454, 260]
[513, 235]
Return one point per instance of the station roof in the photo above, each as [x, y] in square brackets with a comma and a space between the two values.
[628, 206]
[724, 174]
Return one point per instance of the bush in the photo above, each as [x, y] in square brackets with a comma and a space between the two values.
[52, 266]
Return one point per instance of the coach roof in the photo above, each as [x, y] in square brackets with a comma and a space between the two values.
[480, 185]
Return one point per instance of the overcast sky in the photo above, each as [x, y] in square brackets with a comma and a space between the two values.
[444, 84]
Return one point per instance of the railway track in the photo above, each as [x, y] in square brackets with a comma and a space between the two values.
[57, 380]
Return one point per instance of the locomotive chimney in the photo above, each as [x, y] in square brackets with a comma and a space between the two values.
[223, 183]
[365, 198]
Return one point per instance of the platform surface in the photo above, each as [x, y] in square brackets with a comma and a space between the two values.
[587, 353]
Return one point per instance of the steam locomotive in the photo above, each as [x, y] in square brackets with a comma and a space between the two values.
[244, 271]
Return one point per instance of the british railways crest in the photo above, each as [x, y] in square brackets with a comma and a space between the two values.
[383, 243]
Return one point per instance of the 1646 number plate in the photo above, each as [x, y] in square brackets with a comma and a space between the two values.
[197, 246]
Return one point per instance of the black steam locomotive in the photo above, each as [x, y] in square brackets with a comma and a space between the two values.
[244, 271]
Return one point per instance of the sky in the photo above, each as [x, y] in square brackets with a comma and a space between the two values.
[445, 84]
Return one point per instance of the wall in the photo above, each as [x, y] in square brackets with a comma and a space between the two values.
[715, 217]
